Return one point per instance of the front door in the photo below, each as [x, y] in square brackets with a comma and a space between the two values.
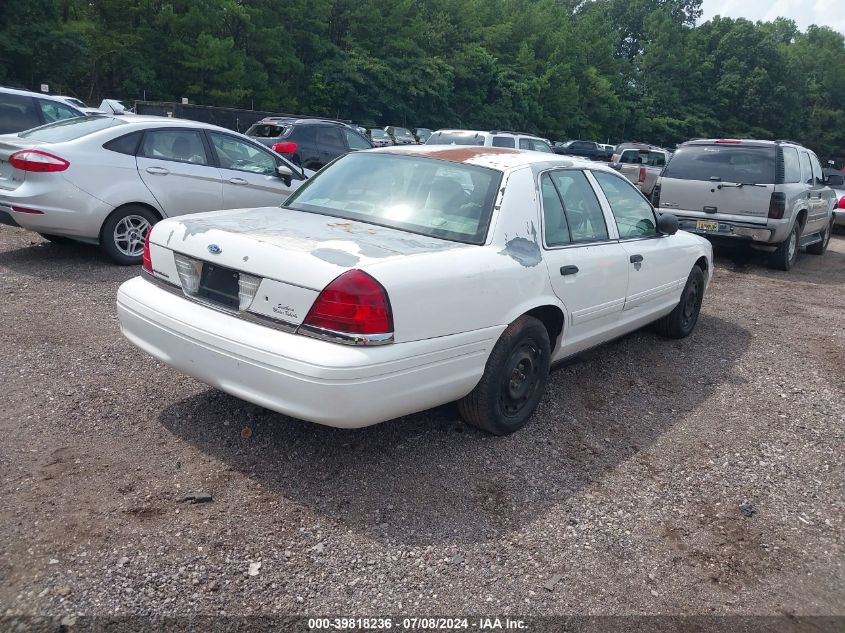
[654, 279]
[588, 271]
[176, 168]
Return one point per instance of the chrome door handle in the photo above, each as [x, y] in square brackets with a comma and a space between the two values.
[238, 181]
[568, 270]
[157, 170]
[636, 259]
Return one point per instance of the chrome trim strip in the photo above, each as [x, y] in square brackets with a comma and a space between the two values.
[343, 338]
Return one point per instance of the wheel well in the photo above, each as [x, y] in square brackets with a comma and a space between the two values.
[701, 262]
[802, 218]
[552, 318]
[132, 204]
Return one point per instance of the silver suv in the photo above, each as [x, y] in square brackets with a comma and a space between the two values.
[771, 194]
[494, 138]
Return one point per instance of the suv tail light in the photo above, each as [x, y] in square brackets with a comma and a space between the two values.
[777, 205]
[36, 160]
[841, 204]
[146, 260]
[641, 178]
[287, 147]
[352, 309]
[655, 197]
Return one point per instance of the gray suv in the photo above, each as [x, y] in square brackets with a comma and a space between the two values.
[771, 194]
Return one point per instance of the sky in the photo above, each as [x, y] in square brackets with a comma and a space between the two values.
[804, 12]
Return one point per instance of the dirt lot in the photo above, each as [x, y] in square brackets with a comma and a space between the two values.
[627, 484]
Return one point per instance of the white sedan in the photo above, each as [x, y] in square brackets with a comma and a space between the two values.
[107, 179]
[399, 279]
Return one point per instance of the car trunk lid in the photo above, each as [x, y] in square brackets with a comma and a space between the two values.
[10, 177]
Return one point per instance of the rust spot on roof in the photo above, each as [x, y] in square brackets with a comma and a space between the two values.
[463, 153]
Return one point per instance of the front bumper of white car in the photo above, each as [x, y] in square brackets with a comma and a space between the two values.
[323, 382]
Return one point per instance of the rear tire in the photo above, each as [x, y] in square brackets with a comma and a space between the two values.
[820, 247]
[514, 379]
[123, 233]
[681, 321]
[56, 239]
[787, 251]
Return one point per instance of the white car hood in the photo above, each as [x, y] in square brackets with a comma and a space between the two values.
[306, 249]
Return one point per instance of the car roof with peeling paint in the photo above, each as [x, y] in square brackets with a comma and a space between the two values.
[500, 158]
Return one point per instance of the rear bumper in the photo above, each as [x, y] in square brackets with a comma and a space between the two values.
[313, 380]
[727, 229]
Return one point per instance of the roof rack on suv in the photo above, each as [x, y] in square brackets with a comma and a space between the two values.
[783, 140]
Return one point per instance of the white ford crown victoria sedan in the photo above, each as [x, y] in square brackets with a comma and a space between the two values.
[398, 279]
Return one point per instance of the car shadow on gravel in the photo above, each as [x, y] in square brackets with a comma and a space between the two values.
[428, 478]
[827, 269]
[60, 262]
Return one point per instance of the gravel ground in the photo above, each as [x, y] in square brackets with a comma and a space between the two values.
[625, 489]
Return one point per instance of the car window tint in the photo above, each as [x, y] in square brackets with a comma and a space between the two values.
[791, 165]
[17, 113]
[541, 146]
[555, 226]
[726, 163]
[583, 211]
[355, 140]
[806, 169]
[634, 216]
[329, 137]
[525, 143]
[234, 153]
[55, 111]
[630, 156]
[504, 141]
[184, 146]
[455, 138]
[817, 170]
[126, 144]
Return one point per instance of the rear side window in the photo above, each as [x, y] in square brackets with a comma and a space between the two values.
[817, 170]
[504, 141]
[329, 137]
[126, 144]
[301, 133]
[71, 129]
[55, 111]
[17, 113]
[184, 146]
[263, 130]
[791, 165]
[555, 226]
[725, 163]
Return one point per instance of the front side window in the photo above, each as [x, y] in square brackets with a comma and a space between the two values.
[452, 201]
[184, 146]
[504, 141]
[55, 111]
[525, 143]
[791, 165]
[542, 146]
[583, 211]
[329, 137]
[634, 216]
[355, 140]
[233, 153]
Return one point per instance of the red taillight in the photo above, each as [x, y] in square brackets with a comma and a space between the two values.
[146, 260]
[287, 147]
[841, 204]
[354, 303]
[729, 141]
[27, 210]
[641, 179]
[777, 205]
[36, 160]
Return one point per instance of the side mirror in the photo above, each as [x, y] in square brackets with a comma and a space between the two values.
[284, 171]
[667, 224]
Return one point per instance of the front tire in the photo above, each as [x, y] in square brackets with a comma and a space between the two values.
[787, 252]
[820, 247]
[681, 321]
[123, 233]
[514, 379]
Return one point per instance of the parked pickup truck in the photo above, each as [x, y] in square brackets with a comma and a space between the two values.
[641, 164]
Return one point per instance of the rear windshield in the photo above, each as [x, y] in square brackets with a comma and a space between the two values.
[725, 163]
[643, 157]
[455, 138]
[378, 134]
[432, 197]
[70, 129]
[264, 130]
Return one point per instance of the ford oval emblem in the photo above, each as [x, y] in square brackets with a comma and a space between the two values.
[214, 249]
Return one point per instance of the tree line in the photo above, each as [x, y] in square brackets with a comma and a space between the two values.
[606, 70]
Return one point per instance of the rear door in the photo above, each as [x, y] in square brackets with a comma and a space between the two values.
[587, 267]
[330, 144]
[249, 173]
[654, 279]
[175, 165]
[725, 181]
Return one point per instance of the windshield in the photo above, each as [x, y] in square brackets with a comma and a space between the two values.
[265, 130]
[749, 165]
[400, 131]
[455, 138]
[438, 198]
[378, 134]
[70, 129]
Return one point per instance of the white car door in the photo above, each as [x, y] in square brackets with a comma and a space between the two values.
[587, 266]
[249, 173]
[655, 280]
[175, 167]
